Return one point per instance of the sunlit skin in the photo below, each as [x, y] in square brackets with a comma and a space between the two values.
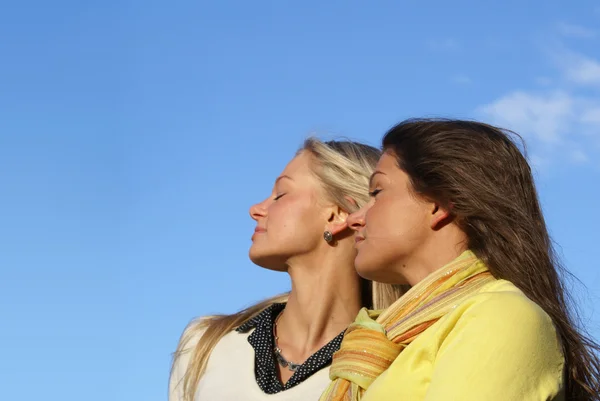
[401, 236]
[325, 294]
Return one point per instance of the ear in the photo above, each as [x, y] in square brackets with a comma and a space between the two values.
[440, 216]
[338, 220]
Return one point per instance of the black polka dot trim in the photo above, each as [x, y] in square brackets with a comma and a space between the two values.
[265, 364]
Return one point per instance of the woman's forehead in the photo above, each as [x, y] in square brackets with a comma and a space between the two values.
[299, 166]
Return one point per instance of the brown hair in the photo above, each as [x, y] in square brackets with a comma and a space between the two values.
[478, 172]
[343, 168]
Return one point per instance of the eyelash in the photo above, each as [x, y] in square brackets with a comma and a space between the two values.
[374, 193]
[278, 197]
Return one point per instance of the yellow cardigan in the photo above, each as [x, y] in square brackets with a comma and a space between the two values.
[495, 346]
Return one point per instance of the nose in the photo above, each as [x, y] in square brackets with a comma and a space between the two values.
[356, 220]
[258, 211]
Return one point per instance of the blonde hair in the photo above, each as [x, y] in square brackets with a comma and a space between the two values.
[344, 169]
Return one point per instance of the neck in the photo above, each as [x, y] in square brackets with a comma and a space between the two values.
[325, 298]
[441, 249]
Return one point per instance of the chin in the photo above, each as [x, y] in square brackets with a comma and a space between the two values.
[267, 260]
[373, 269]
[365, 267]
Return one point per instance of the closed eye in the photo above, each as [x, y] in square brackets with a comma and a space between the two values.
[278, 197]
[374, 193]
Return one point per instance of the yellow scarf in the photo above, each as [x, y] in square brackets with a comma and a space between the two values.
[370, 346]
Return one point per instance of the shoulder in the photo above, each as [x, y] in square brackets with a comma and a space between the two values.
[188, 340]
[502, 316]
[495, 345]
[205, 335]
[192, 333]
[502, 301]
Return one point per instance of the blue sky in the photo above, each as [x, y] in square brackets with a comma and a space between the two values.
[135, 135]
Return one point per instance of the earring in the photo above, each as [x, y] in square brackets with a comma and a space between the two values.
[328, 236]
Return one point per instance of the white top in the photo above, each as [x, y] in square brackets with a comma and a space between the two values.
[230, 375]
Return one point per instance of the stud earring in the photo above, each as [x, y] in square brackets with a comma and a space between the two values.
[328, 236]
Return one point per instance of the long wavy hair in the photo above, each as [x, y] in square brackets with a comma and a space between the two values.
[344, 169]
[478, 172]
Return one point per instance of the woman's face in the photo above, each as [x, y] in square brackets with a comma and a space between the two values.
[291, 221]
[392, 227]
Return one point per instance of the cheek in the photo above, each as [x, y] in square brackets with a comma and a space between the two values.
[376, 252]
[380, 219]
[396, 219]
[393, 227]
[292, 218]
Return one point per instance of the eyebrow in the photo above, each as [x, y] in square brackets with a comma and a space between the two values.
[282, 177]
[373, 176]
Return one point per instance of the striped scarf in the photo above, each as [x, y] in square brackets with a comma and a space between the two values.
[370, 346]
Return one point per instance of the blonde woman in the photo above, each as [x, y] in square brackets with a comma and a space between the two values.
[280, 349]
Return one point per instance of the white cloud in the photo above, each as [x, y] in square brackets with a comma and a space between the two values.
[581, 70]
[542, 115]
[559, 121]
[578, 156]
[575, 31]
[591, 116]
[552, 121]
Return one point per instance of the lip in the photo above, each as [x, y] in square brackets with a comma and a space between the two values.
[358, 239]
[258, 230]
